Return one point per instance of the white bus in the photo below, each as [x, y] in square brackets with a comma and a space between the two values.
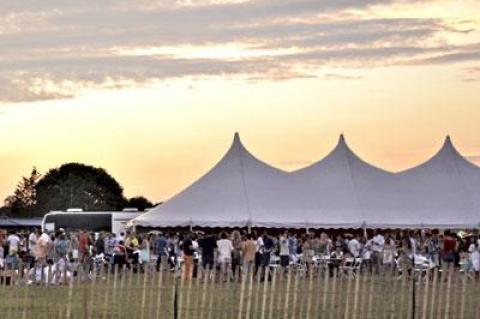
[76, 219]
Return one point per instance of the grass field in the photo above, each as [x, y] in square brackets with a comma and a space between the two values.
[286, 295]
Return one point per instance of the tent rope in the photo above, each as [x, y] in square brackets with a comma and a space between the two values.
[352, 179]
[244, 183]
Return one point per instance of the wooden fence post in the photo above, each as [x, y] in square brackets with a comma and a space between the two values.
[404, 293]
[257, 290]
[334, 288]
[226, 294]
[144, 291]
[242, 291]
[26, 289]
[152, 274]
[318, 295]
[356, 296]
[48, 280]
[295, 292]
[188, 308]
[447, 296]
[206, 276]
[348, 294]
[394, 293]
[441, 293]
[159, 288]
[287, 293]
[69, 299]
[106, 290]
[425, 295]
[272, 294]
[250, 292]
[325, 299]
[363, 296]
[198, 288]
[310, 292]
[462, 302]
[264, 295]
[211, 295]
[434, 292]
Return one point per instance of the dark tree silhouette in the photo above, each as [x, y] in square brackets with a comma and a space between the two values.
[139, 202]
[75, 185]
[24, 198]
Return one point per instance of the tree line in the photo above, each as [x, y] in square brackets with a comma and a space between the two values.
[72, 185]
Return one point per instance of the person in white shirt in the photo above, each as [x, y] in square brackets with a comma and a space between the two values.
[367, 253]
[284, 250]
[389, 252]
[13, 242]
[259, 244]
[43, 246]
[224, 251]
[354, 247]
[32, 246]
[259, 249]
[474, 256]
[32, 243]
[378, 244]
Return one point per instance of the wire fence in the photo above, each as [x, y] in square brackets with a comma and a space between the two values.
[274, 292]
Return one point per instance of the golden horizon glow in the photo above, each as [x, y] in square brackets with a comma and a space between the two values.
[159, 115]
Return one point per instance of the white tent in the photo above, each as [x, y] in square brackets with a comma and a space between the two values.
[339, 191]
[441, 193]
[238, 187]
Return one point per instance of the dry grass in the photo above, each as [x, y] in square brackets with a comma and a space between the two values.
[152, 295]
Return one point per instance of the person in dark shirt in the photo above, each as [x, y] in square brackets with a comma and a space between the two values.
[267, 249]
[100, 244]
[161, 249]
[207, 246]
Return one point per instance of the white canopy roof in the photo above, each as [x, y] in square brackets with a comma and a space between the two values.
[229, 195]
[339, 191]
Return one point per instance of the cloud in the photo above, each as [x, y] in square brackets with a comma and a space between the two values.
[471, 74]
[53, 49]
[336, 76]
[452, 54]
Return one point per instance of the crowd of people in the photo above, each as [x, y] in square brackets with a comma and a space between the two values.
[236, 251]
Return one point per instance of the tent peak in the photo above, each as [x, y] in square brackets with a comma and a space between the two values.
[448, 139]
[341, 141]
[448, 151]
[237, 140]
[448, 145]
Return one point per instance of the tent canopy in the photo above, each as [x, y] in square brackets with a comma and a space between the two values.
[339, 191]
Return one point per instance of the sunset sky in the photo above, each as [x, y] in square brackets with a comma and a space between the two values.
[153, 91]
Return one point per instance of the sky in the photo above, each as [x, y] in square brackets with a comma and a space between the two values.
[153, 91]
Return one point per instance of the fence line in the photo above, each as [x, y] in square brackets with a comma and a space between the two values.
[323, 292]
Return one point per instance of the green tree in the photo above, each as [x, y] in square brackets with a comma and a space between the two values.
[79, 186]
[139, 202]
[24, 198]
